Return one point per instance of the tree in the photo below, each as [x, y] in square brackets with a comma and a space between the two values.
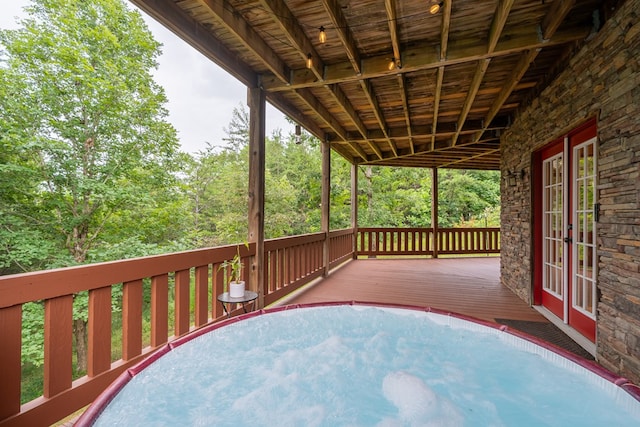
[84, 125]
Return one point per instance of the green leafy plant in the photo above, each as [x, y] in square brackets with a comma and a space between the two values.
[233, 267]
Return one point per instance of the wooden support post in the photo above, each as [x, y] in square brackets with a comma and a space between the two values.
[434, 210]
[354, 208]
[257, 106]
[325, 203]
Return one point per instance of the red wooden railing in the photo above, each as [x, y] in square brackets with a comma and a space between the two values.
[421, 241]
[194, 278]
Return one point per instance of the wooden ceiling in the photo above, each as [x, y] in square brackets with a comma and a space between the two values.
[459, 77]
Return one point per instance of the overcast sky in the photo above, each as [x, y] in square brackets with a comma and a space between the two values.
[201, 95]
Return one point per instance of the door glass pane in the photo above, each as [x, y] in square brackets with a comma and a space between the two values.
[583, 280]
[552, 225]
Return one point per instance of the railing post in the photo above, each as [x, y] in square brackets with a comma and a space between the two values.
[354, 209]
[257, 106]
[434, 210]
[326, 203]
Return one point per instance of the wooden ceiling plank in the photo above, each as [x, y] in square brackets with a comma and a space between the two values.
[422, 56]
[296, 36]
[191, 31]
[344, 33]
[552, 20]
[250, 39]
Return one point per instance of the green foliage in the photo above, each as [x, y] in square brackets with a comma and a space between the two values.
[83, 125]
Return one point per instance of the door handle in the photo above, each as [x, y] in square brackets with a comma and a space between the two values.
[568, 240]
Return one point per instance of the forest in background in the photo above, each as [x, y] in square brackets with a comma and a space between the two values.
[202, 202]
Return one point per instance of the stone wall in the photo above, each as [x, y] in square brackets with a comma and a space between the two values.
[603, 81]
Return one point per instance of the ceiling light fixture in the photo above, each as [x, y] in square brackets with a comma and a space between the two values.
[309, 61]
[394, 63]
[435, 6]
[322, 37]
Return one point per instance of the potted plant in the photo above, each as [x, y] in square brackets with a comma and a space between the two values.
[232, 274]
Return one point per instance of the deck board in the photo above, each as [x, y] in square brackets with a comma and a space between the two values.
[468, 286]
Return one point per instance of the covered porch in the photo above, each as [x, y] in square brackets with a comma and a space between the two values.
[462, 88]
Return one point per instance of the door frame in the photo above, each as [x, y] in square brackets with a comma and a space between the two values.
[583, 133]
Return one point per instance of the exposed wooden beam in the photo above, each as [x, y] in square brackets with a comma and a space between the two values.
[405, 107]
[425, 149]
[296, 115]
[497, 25]
[523, 65]
[436, 105]
[296, 36]
[466, 159]
[195, 34]
[224, 13]
[390, 7]
[444, 30]
[377, 112]
[559, 10]
[339, 23]
[344, 33]
[423, 56]
[419, 132]
[556, 14]
[312, 102]
[481, 69]
[444, 43]
[342, 100]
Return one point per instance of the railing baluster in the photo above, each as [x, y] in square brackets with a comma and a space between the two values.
[10, 337]
[159, 310]
[58, 342]
[99, 336]
[202, 295]
[217, 287]
[131, 319]
[182, 302]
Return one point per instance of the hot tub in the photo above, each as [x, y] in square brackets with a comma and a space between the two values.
[363, 365]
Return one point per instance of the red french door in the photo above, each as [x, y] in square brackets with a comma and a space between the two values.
[565, 229]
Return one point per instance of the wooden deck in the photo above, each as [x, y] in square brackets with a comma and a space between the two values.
[469, 286]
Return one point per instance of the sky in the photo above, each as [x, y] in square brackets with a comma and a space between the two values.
[201, 95]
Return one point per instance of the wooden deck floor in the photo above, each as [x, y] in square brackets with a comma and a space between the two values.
[469, 286]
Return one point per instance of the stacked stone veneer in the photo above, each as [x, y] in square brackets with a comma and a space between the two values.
[603, 81]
